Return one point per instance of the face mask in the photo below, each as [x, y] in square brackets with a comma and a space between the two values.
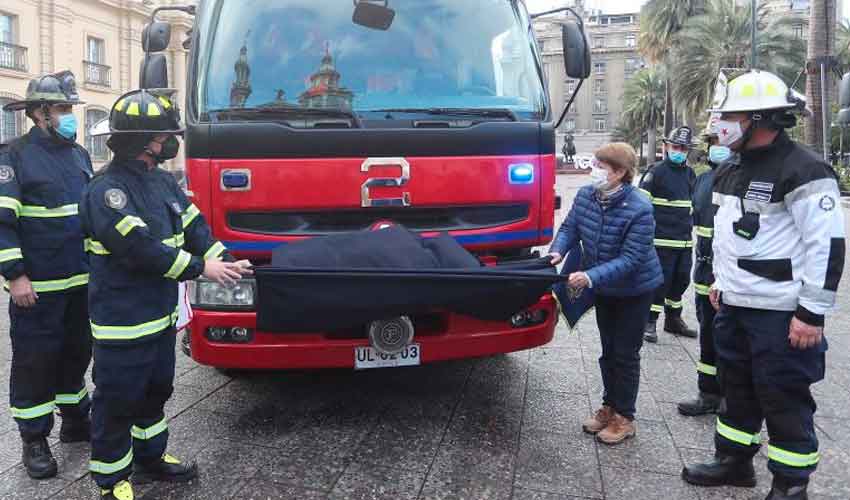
[168, 150]
[728, 132]
[598, 177]
[718, 154]
[677, 157]
[67, 126]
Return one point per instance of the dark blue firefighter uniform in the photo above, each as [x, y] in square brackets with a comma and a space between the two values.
[703, 279]
[41, 183]
[144, 237]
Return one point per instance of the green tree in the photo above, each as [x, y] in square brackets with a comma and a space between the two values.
[721, 38]
[643, 107]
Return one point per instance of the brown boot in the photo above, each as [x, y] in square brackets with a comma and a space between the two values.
[618, 430]
[598, 421]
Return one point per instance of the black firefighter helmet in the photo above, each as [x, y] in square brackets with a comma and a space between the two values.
[682, 136]
[143, 112]
[56, 88]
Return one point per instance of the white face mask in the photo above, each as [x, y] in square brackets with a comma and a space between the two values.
[728, 133]
[598, 177]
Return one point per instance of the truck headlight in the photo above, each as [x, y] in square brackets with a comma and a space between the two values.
[205, 294]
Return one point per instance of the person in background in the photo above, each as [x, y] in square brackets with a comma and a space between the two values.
[669, 184]
[42, 177]
[613, 222]
[709, 397]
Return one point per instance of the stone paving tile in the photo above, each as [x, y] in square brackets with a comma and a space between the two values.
[264, 490]
[366, 482]
[558, 463]
[403, 442]
[626, 484]
[203, 377]
[556, 412]
[16, 485]
[569, 379]
[651, 450]
[669, 381]
[72, 459]
[304, 469]
[470, 469]
[524, 494]
[689, 432]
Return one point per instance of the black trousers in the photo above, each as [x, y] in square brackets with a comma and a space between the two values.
[765, 379]
[51, 350]
[621, 321]
[707, 367]
[133, 383]
[676, 264]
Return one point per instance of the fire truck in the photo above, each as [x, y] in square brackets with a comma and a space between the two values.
[307, 118]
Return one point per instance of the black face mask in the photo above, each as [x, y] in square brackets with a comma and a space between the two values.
[169, 150]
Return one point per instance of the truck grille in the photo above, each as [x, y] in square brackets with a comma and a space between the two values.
[417, 219]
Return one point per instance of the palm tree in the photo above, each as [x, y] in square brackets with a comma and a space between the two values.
[721, 38]
[660, 23]
[821, 41]
[643, 106]
[842, 46]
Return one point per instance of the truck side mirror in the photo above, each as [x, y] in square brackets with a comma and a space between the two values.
[154, 72]
[576, 51]
[844, 92]
[156, 36]
[370, 14]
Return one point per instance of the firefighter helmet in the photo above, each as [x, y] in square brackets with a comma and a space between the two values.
[754, 90]
[682, 136]
[142, 112]
[56, 88]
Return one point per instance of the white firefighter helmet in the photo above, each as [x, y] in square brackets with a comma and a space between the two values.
[754, 90]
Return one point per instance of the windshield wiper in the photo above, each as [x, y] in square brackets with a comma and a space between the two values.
[484, 112]
[292, 112]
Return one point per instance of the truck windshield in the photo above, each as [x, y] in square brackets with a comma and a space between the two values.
[448, 55]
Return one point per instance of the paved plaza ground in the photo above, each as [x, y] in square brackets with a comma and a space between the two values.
[506, 427]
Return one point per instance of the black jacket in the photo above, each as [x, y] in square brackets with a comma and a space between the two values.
[704, 226]
[670, 188]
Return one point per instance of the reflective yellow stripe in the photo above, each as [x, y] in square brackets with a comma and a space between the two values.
[740, 437]
[190, 214]
[153, 109]
[132, 332]
[675, 304]
[215, 251]
[702, 289]
[150, 432]
[71, 399]
[119, 105]
[34, 411]
[95, 247]
[127, 224]
[36, 211]
[656, 308]
[706, 369]
[12, 204]
[165, 102]
[112, 467]
[175, 242]
[133, 109]
[10, 254]
[705, 232]
[647, 193]
[672, 203]
[790, 458]
[673, 243]
[58, 285]
[180, 262]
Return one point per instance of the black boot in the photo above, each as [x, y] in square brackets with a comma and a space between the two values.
[38, 459]
[122, 490]
[167, 469]
[787, 490]
[704, 404]
[677, 326]
[75, 430]
[724, 470]
[649, 333]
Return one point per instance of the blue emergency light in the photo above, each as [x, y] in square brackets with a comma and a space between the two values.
[521, 173]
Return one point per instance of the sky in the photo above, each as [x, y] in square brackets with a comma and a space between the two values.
[617, 6]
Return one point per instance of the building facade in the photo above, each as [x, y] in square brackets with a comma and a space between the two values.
[98, 40]
[614, 59]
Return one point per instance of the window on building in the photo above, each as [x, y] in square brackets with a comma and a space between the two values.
[569, 124]
[631, 66]
[570, 87]
[598, 41]
[11, 122]
[11, 55]
[599, 68]
[599, 86]
[7, 28]
[798, 31]
[96, 145]
[599, 124]
[97, 72]
[600, 105]
[95, 50]
[631, 40]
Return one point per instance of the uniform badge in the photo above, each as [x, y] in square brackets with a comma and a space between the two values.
[827, 203]
[115, 198]
[7, 174]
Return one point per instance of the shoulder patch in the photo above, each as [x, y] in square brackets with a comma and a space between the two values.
[7, 174]
[827, 203]
[115, 198]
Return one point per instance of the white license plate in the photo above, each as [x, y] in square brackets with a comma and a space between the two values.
[369, 357]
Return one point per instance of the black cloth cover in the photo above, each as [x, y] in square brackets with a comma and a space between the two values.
[344, 281]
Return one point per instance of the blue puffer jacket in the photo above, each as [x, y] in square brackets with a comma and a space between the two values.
[619, 256]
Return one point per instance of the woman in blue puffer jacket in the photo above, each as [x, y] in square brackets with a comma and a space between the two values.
[614, 224]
